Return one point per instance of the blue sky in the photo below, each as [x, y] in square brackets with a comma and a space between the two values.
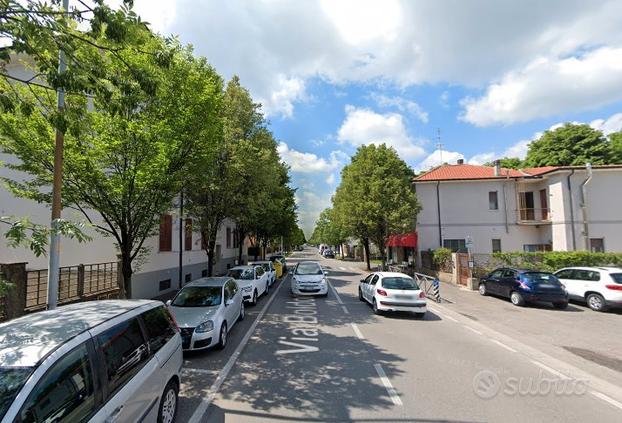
[336, 74]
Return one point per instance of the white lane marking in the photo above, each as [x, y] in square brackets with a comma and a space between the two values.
[200, 371]
[449, 318]
[357, 331]
[607, 399]
[472, 330]
[335, 292]
[550, 370]
[343, 269]
[502, 345]
[345, 310]
[387, 384]
[197, 416]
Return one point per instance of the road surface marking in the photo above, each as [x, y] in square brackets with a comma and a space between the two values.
[472, 330]
[387, 384]
[197, 416]
[550, 370]
[345, 310]
[335, 292]
[200, 371]
[449, 318]
[357, 331]
[607, 399]
[343, 269]
[502, 345]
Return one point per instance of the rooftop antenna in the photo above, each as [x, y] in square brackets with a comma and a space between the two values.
[439, 145]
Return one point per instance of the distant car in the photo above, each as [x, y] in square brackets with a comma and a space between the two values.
[525, 286]
[206, 310]
[309, 278]
[329, 254]
[599, 287]
[252, 280]
[268, 267]
[392, 291]
[96, 361]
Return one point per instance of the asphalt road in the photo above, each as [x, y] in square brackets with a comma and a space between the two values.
[332, 360]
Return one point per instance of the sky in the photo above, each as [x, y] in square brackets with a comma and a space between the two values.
[482, 78]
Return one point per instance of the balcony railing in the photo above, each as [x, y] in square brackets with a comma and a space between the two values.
[533, 216]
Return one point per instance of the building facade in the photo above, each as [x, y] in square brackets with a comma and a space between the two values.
[559, 208]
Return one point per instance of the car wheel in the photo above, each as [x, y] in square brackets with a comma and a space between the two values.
[241, 315]
[517, 299]
[482, 289]
[596, 302]
[561, 306]
[375, 307]
[361, 295]
[254, 299]
[168, 403]
[222, 340]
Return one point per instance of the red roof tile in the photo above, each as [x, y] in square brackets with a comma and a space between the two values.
[467, 171]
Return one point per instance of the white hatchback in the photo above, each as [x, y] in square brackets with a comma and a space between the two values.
[391, 291]
[252, 280]
[599, 287]
[309, 278]
[268, 267]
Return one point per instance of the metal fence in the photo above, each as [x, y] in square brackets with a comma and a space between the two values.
[429, 284]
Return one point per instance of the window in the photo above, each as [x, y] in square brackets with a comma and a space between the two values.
[236, 241]
[65, 393]
[166, 233]
[203, 273]
[230, 290]
[259, 272]
[374, 280]
[586, 275]
[454, 244]
[160, 328]
[188, 277]
[228, 238]
[565, 274]
[165, 284]
[509, 273]
[198, 296]
[125, 352]
[533, 248]
[597, 245]
[188, 235]
[493, 201]
[496, 245]
[496, 274]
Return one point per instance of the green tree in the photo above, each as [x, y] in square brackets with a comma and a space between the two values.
[376, 196]
[570, 144]
[616, 146]
[508, 163]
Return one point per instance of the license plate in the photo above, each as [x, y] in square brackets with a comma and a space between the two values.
[403, 297]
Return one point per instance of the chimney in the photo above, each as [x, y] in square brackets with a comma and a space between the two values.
[460, 161]
[497, 167]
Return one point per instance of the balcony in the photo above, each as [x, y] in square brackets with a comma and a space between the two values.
[533, 216]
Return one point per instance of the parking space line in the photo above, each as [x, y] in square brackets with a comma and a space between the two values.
[335, 292]
[201, 409]
[472, 330]
[345, 309]
[550, 370]
[387, 384]
[502, 345]
[607, 399]
[357, 331]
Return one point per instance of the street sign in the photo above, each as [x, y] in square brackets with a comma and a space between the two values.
[468, 242]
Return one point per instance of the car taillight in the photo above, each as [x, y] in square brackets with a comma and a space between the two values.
[614, 287]
[382, 292]
[422, 294]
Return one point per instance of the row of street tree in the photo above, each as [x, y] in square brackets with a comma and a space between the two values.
[144, 120]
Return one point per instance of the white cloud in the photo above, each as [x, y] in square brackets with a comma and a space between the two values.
[309, 162]
[281, 100]
[438, 157]
[401, 104]
[310, 205]
[609, 125]
[364, 126]
[548, 87]
[444, 99]
[331, 179]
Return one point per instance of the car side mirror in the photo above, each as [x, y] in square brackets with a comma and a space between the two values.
[325, 272]
[362, 280]
[168, 303]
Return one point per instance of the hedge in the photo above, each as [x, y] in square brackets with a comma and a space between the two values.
[551, 261]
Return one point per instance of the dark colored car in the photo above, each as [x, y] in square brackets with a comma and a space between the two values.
[525, 286]
[329, 254]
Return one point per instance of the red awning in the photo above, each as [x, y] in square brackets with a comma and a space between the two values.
[403, 240]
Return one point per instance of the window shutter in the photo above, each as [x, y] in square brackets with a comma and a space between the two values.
[166, 232]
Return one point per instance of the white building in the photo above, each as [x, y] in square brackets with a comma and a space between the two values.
[535, 209]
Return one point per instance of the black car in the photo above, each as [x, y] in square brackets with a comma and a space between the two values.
[329, 254]
[525, 286]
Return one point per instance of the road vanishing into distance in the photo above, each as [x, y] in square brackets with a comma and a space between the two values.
[332, 360]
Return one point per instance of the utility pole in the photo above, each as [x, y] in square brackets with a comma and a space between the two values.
[54, 260]
[439, 145]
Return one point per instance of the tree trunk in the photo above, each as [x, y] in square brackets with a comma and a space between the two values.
[241, 237]
[211, 247]
[126, 270]
[366, 248]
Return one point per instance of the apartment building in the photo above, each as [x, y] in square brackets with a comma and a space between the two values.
[492, 209]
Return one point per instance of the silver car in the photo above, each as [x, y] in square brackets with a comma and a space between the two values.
[206, 310]
[113, 361]
[309, 278]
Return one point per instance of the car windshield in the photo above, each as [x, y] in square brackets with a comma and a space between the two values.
[399, 282]
[198, 296]
[11, 381]
[241, 274]
[308, 269]
[617, 277]
[539, 278]
[265, 266]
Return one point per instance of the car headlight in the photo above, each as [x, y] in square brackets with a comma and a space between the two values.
[205, 327]
[324, 281]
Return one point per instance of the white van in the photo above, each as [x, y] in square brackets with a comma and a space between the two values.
[112, 361]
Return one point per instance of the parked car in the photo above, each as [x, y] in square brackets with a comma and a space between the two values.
[112, 360]
[525, 286]
[329, 253]
[206, 310]
[309, 278]
[268, 267]
[392, 291]
[281, 259]
[252, 280]
[599, 287]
